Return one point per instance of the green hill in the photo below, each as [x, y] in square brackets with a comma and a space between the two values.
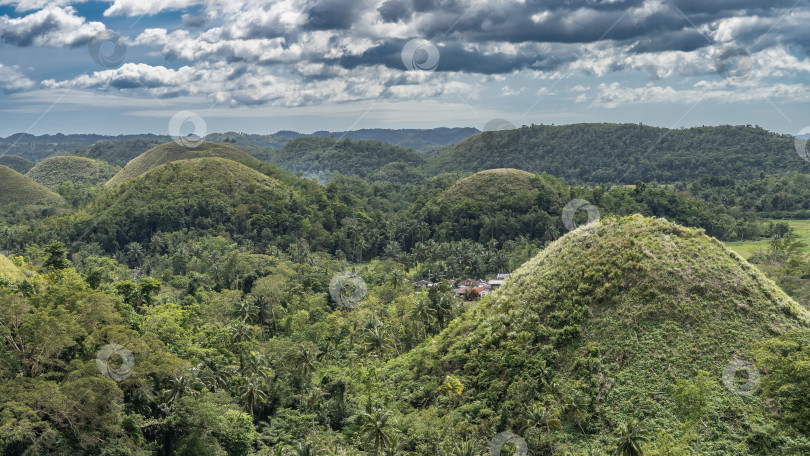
[598, 328]
[172, 151]
[80, 170]
[119, 153]
[9, 270]
[624, 153]
[17, 163]
[498, 204]
[316, 156]
[213, 195]
[18, 189]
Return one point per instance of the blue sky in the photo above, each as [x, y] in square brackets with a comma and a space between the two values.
[129, 66]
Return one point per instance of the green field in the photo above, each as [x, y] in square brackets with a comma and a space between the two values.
[748, 248]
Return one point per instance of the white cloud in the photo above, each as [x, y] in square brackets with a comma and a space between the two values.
[51, 26]
[13, 80]
[150, 7]
[28, 5]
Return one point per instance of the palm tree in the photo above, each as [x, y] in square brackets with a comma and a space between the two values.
[246, 311]
[452, 388]
[306, 449]
[306, 360]
[376, 339]
[256, 365]
[394, 448]
[180, 386]
[467, 448]
[377, 429]
[240, 332]
[630, 438]
[424, 313]
[315, 397]
[265, 311]
[252, 392]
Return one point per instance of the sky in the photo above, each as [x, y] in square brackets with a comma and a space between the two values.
[253, 66]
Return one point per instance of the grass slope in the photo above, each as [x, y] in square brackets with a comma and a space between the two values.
[491, 184]
[18, 189]
[172, 151]
[80, 170]
[17, 163]
[9, 270]
[611, 315]
[196, 194]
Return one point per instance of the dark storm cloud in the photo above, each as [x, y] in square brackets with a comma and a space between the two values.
[332, 14]
[458, 28]
[457, 57]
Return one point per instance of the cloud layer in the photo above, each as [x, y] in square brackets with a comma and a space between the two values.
[302, 52]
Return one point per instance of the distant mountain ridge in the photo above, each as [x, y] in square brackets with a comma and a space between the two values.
[38, 147]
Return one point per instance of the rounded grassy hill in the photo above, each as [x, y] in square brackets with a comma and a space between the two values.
[18, 189]
[499, 204]
[17, 163]
[599, 328]
[205, 195]
[80, 170]
[169, 152]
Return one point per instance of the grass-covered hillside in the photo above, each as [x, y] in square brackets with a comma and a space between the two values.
[18, 189]
[206, 195]
[9, 270]
[172, 151]
[119, 153]
[624, 153]
[498, 204]
[17, 163]
[79, 170]
[598, 329]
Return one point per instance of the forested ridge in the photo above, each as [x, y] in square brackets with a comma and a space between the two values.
[346, 297]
